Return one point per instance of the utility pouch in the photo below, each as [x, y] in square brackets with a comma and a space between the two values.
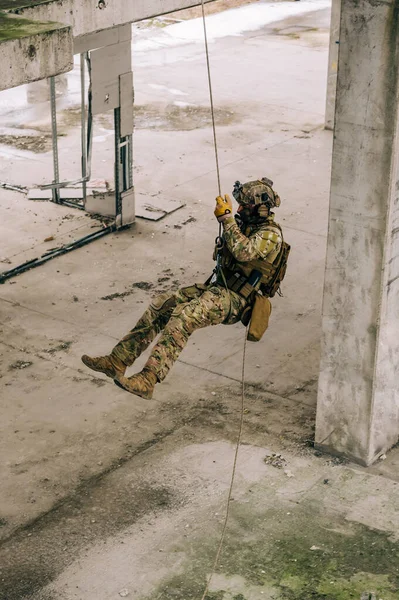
[245, 287]
[193, 291]
[261, 312]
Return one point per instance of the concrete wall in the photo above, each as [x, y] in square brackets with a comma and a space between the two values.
[358, 403]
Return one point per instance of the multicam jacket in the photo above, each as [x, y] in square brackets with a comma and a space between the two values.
[254, 242]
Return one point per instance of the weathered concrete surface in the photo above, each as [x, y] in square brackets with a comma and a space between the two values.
[300, 527]
[358, 406]
[333, 63]
[32, 50]
[111, 492]
[88, 17]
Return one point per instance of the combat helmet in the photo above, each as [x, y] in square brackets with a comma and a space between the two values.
[257, 193]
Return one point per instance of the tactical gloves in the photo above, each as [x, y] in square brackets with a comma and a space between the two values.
[224, 208]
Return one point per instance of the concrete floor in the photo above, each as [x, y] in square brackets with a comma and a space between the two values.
[105, 495]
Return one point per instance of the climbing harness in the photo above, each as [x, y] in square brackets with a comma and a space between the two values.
[219, 243]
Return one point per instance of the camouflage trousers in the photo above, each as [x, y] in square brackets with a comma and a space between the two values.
[176, 316]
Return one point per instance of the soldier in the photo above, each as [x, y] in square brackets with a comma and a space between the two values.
[252, 244]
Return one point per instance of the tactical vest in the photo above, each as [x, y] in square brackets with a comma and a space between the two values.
[273, 271]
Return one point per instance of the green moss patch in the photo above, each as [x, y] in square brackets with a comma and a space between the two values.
[12, 5]
[13, 28]
[298, 553]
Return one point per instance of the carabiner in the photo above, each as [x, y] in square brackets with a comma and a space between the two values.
[219, 242]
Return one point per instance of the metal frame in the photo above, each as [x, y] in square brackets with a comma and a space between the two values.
[123, 180]
[123, 166]
[83, 58]
[123, 174]
[53, 106]
[86, 140]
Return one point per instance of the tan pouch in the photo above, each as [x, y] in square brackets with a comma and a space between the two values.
[259, 319]
[193, 291]
[163, 301]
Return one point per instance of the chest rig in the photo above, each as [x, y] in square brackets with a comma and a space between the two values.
[263, 275]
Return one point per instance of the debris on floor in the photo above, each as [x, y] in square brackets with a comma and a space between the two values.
[276, 460]
[20, 364]
[155, 208]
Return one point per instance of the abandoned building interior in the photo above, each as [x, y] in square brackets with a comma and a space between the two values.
[265, 470]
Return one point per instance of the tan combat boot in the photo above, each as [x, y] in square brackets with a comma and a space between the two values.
[109, 365]
[141, 384]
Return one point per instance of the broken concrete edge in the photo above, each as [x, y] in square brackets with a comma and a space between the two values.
[348, 456]
[33, 50]
[325, 449]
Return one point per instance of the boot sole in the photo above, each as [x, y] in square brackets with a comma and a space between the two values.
[106, 372]
[145, 396]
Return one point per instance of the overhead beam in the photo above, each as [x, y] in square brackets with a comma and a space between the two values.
[90, 16]
[32, 50]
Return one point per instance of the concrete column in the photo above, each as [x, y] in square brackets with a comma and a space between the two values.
[358, 400]
[333, 63]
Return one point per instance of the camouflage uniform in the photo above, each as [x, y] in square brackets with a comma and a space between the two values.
[178, 315]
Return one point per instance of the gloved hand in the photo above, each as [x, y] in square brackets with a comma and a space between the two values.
[224, 208]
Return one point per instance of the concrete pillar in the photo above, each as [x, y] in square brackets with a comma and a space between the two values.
[358, 400]
[333, 63]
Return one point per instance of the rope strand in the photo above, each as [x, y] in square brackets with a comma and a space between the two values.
[219, 550]
[211, 100]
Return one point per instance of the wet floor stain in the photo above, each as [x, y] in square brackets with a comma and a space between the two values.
[37, 553]
[34, 143]
[149, 116]
[295, 31]
[171, 117]
[181, 118]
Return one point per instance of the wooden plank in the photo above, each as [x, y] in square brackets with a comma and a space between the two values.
[111, 61]
[126, 99]
[125, 32]
[107, 37]
[106, 65]
[155, 208]
[105, 97]
[99, 39]
[128, 207]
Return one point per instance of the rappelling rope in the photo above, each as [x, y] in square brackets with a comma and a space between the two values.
[219, 550]
[215, 142]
